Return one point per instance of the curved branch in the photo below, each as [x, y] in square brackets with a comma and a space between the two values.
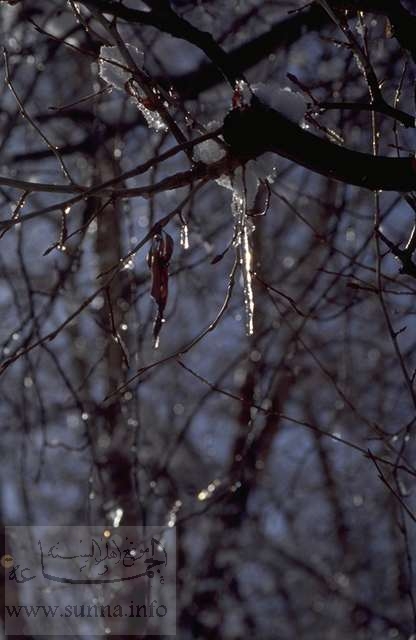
[281, 34]
[379, 106]
[253, 131]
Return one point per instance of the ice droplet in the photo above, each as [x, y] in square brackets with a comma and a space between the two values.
[116, 516]
[204, 494]
[128, 266]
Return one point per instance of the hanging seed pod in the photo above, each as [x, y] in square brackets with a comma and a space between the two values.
[158, 259]
[262, 200]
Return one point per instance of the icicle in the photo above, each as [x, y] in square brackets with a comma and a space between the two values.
[184, 236]
[246, 259]
[243, 229]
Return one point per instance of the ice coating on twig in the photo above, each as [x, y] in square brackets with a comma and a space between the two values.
[113, 68]
[151, 116]
[246, 180]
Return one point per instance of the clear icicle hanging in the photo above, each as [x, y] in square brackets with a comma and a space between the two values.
[243, 228]
[184, 236]
[246, 259]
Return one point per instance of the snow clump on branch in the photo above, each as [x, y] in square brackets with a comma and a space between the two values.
[287, 102]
